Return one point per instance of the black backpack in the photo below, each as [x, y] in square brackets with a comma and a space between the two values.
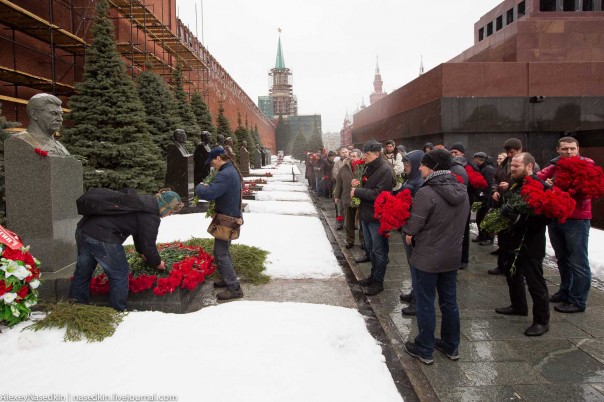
[103, 201]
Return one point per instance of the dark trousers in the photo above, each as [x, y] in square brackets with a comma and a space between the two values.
[465, 247]
[112, 259]
[378, 249]
[530, 268]
[349, 223]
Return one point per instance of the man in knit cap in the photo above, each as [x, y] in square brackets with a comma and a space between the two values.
[100, 237]
[435, 231]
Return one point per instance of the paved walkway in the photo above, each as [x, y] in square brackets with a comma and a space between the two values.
[498, 362]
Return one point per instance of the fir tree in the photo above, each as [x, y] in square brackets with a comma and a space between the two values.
[160, 108]
[299, 147]
[315, 142]
[240, 132]
[251, 142]
[109, 128]
[203, 115]
[184, 111]
[281, 134]
[257, 138]
[222, 124]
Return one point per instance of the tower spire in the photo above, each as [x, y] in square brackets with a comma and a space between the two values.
[377, 93]
[421, 64]
[280, 63]
[377, 65]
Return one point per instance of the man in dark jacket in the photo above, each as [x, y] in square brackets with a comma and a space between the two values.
[487, 170]
[99, 239]
[413, 183]
[523, 250]
[435, 230]
[225, 190]
[380, 177]
[458, 166]
[501, 184]
[342, 195]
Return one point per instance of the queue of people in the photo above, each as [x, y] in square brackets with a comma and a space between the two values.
[436, 236]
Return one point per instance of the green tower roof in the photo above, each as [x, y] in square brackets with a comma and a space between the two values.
[279, 64]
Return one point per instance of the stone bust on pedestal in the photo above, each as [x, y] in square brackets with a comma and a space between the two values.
[45, 119]
[244, 158]
[228, 150]
[180, 137]
[200, 156]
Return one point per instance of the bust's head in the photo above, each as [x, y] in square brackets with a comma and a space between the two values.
[45, 114]
[228, 141]
[180, 136]
[220, 139]
[244, 144]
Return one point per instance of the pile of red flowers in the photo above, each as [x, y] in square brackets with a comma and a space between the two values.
[255, 181]
[186, 267]
[392, 210]
[358, 172]
[579, 177]
[475, 179]
[41, 152]
[554, 204]
[247, 190]
[268, 174]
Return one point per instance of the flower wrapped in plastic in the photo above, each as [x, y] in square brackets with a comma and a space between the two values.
[19, 279]
[392, 211]
[358, 173]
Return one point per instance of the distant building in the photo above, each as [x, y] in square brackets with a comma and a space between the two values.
[281, 92]
[346, 132]
[377, 93]
[331, 141]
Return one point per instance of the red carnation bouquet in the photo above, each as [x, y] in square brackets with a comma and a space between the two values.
[19, 279]
[533, 199]
[579, 177]
[392, 210]
[358, 172]
[186, 267]
[475, 179]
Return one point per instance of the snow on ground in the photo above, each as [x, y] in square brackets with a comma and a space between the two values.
[284, 168]
[238, 351]
[297, 244]
[300, 208]
[282, 196]
[284, 187]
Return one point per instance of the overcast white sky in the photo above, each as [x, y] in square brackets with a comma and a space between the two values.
[331, 45]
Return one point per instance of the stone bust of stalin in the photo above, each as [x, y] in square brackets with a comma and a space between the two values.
[45, 119]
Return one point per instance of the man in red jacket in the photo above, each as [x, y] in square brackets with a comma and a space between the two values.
[570, 240]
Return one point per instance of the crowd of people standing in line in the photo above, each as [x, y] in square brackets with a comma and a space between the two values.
[436, 236]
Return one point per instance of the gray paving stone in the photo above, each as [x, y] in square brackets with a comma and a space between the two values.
[479, 394]
[488, 351]
[559, 392]
[501, 373]
[590, 321]
[488, 329]
[593, 347]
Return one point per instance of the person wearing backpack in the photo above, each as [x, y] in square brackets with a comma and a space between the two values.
[100, 235]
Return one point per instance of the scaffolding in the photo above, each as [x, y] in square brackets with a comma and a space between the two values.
[73, 44]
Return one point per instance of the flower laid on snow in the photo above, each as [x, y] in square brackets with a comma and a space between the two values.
[475, 179]
[19, 279]
[339, 218]
[358, 173]
[186, 267]
[579, 177]
[392, 210]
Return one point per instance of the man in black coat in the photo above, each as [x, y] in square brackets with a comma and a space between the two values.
[99, 240]
[380, 177]
[523, 250]
[487, 170]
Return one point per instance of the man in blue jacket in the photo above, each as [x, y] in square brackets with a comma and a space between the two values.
[225, 189]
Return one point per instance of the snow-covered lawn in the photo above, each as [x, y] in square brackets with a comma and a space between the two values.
[595, 251]
[293, 187]
[300, 208]
[282, 196]
[239, 351]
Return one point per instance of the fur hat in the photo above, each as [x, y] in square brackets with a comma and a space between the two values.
[168, 201]
[439, 159]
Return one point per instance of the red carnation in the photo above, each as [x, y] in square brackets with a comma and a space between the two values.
[3, 288]
[475, 179]
[392, 211]
[339, 218]
[579, 177]
[458, 177]
[22, 293]
[41, 152]
[18, 255]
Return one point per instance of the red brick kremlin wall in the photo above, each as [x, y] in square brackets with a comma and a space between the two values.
[22, 52]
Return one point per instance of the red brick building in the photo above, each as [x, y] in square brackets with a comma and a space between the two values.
[535, 72]
[42, 46]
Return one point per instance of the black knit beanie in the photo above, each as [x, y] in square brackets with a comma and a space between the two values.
[459, 146]
[439, 159]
